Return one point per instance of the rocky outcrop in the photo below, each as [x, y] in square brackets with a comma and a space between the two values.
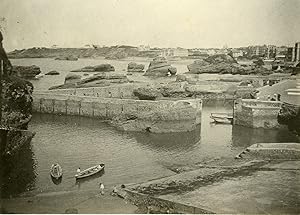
[71, 58]
[290, 115]
[220, 58]
[113, 52]
[104, 68]
[16, 102]
[52, 73]
[27, 72]
[224, 64]
[159, 67]
[99, 68]
[134, 67]
[72, 78]
[97, 80]
[147, 93]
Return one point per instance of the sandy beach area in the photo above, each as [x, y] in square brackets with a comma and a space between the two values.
[69, 202]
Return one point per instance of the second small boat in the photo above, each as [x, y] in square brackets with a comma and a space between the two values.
[56, 171]
[224, 118]
[90, 171]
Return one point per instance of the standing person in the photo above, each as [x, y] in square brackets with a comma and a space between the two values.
[278, 97]
[101, 186]
[274, 98]
[78, 170]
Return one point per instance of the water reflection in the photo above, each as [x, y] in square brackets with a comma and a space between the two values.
[177, 142]
[56, 181]
[244, 136]
[90, 178]
[18, 172]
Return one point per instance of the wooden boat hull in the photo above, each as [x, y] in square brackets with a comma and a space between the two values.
[90, 171]
[222, 118]
[56, 171]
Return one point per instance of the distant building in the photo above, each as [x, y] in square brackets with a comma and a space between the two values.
[259, 51]
[237, 53]
[280, 58]
[289, 54]
[144, 48]
[54, 47]
[270, 52]
[88, 46]
[282, 50]
[211, 52]
[296, 53]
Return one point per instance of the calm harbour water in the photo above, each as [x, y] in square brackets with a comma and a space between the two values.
[129, 156]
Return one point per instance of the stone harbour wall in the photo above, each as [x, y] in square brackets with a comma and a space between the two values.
[120, 91]
[128, 114]
[256, 114]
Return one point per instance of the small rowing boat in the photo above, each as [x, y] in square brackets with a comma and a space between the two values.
[224, 118]
[90, 171]
[56, 171]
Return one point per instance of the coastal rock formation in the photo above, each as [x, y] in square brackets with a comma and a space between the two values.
[103, 79]
[71, 58]
[52, 73]
[134, 67]
[159, 67]
[16, 102]
[290, 115]
[99, 68]
[225, 64]
[146, 93]
[220, 58]
[27, 72]
[97, 80]
[72, 78]
[104, 68]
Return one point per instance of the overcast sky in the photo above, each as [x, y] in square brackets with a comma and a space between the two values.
[162, 23]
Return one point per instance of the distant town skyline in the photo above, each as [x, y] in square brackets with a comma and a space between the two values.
[158, 23]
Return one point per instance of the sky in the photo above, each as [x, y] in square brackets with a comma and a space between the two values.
[158, 23]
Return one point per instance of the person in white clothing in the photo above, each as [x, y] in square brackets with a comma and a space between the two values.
[101, 188]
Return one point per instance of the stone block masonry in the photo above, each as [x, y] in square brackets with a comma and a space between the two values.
[256, 114]
[161, 116]
[122, 91]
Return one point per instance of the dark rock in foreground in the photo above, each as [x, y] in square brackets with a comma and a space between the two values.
[52, 73]
[290, 115]
[27, 72]
[159, 67]
[134, 67]
[16, 102]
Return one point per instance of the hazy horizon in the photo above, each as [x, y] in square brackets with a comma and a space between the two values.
[158, 23]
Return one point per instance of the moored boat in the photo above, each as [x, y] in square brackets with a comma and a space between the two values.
[90, 171]
[224, 118]
[56, 171]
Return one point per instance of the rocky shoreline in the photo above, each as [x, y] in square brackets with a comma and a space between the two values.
[162, 195]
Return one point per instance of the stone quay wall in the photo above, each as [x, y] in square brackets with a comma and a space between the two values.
[256, 114]
[121, 91]
[161, 116]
